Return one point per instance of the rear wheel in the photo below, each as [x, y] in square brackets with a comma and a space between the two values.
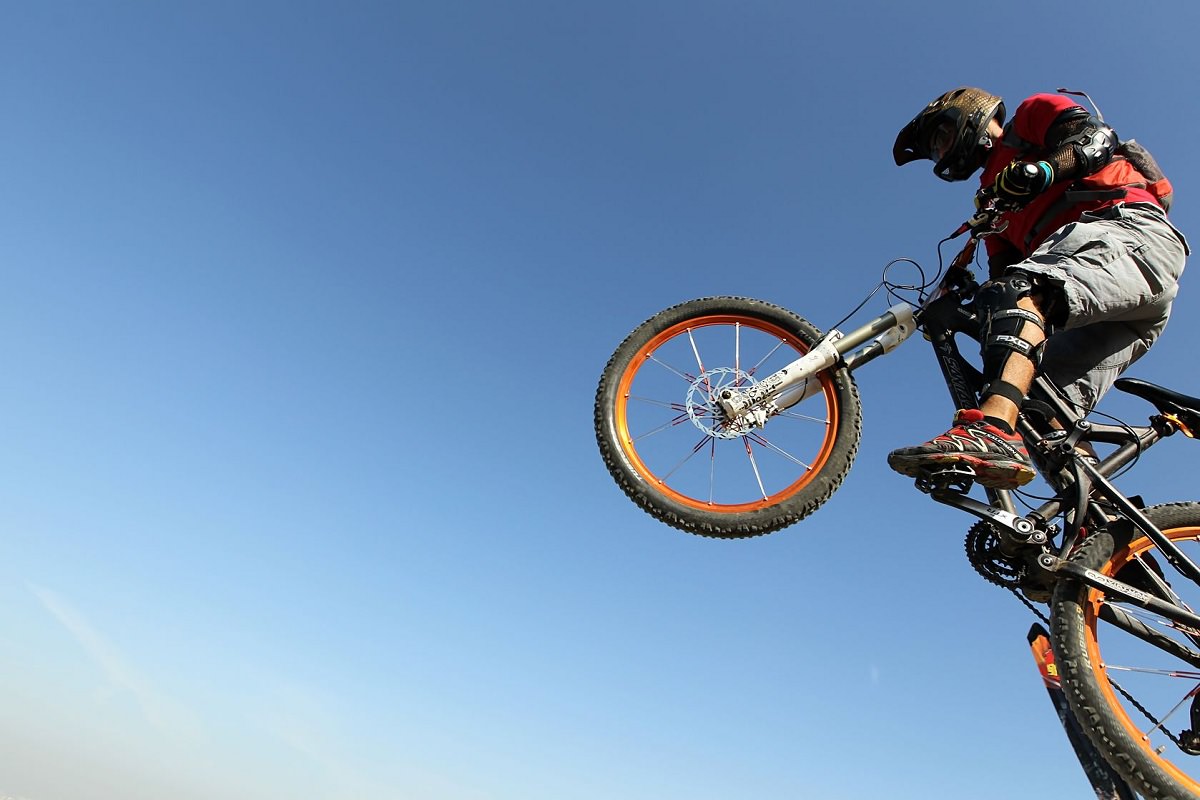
[668, 445]
[1132, 677]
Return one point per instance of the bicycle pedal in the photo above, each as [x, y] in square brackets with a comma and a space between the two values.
[949, 477]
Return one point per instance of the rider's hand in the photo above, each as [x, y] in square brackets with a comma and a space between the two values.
[985, 199]
[1021, 181]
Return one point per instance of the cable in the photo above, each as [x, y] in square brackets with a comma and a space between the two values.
[893, 288]
[858, 307]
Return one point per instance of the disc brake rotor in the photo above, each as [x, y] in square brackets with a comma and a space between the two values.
[702, 406]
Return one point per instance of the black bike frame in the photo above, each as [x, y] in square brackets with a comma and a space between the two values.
[950, 313]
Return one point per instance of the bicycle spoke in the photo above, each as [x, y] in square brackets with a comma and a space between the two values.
[654, 357]
[1168, 673]
[1157, 619]
[699, 361]
[1130, 622]
[695, 459]
[660, 403]
[1145, 616]
[1148, 666]
[1165, 592]
[754, 465]
[699, 446]
[678, 437]
[804, 417]
[754, 370]
[763, 441]
[1161, 722]
[712, 469]
[737, 354]
[664, 427]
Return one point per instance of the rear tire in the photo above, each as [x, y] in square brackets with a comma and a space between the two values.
[1103, 665]
[664, 440]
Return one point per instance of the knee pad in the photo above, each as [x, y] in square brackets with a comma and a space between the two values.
[1003, 323]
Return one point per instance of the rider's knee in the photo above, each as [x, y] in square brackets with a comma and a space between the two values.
[1007, 291]
[1013, 324]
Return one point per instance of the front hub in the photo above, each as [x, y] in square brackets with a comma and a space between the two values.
[706, 411]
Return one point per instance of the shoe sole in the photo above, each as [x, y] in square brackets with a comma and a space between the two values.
[988, 474]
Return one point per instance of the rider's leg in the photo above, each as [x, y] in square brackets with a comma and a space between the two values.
[1115, 274]
[1018, 370]
[1106, 285]
[1014, 322]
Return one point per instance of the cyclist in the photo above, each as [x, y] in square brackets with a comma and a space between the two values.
[1081, 279]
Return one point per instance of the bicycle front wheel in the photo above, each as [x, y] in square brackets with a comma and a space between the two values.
[1132, 677]
[668, 445]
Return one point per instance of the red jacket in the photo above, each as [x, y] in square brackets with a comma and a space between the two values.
[1028, 227]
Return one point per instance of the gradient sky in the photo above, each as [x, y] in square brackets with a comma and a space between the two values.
[304, 308]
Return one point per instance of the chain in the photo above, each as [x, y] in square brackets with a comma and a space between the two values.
[1157, 724]
[985, 558]
[1037, 612]
[1132, 700]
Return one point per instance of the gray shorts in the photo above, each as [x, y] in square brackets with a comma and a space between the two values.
[1119, 271]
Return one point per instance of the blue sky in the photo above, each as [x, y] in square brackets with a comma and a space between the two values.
[304, 309]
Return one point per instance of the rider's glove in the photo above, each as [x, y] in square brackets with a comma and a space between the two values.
[1021, 181]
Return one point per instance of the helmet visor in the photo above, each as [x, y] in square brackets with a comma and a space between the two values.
[941, 139]
[958, 147]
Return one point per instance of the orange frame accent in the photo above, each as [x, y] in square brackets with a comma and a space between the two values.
[1092, 611]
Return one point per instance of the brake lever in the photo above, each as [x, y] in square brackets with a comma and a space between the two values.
[989, 209]
[984, 223]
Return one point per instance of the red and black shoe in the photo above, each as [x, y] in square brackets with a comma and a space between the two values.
[999, 459]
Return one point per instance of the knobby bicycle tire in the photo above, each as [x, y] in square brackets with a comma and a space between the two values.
[664, 439]
[1101, 663]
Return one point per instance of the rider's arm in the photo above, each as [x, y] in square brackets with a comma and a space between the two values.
[1067, 143]
[1080, 144]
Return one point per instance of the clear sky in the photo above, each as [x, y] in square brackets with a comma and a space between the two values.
[303, 310]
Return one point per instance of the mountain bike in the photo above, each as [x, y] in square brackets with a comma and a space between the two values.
[730, 417]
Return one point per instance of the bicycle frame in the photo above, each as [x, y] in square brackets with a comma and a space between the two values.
[944, 315]
[1076, 478]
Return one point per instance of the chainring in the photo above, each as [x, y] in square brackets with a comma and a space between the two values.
[983, 551]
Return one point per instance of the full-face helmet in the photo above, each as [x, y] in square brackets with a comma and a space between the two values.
[952, 132]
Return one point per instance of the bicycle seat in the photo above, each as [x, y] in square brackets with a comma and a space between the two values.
[1186, 408]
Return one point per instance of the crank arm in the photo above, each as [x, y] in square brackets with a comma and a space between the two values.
[1022, 528]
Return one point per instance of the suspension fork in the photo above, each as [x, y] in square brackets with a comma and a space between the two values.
[754, 404]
